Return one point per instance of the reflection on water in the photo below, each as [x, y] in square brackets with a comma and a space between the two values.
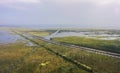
[7, 37]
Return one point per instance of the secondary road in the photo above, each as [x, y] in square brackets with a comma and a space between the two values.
[78, 64]
[116, 55]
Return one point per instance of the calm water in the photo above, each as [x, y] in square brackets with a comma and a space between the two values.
[7, 37]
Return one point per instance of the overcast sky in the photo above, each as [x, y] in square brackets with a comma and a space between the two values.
[79, 13]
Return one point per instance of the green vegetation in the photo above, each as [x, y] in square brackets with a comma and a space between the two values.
[99, 63]
[43, 61]
[106, 45]
[11, 53]
[40, 33]
[50, 58]
[13, 60]
[80, 65]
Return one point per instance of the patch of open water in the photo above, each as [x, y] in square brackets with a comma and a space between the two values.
[7, 37]
[101, 36]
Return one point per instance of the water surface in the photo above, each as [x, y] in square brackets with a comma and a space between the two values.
[99, 35]
[7, 37]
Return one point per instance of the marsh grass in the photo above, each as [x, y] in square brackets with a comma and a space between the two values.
[106, 45]
[11, 53]
[99, 63]
[40, 61]
[44, 61]
[40, 33]
[82, 66]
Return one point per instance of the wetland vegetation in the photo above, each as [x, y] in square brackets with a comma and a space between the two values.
[106, 45]
[44, 57]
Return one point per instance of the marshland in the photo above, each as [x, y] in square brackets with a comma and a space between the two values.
[27, 51]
